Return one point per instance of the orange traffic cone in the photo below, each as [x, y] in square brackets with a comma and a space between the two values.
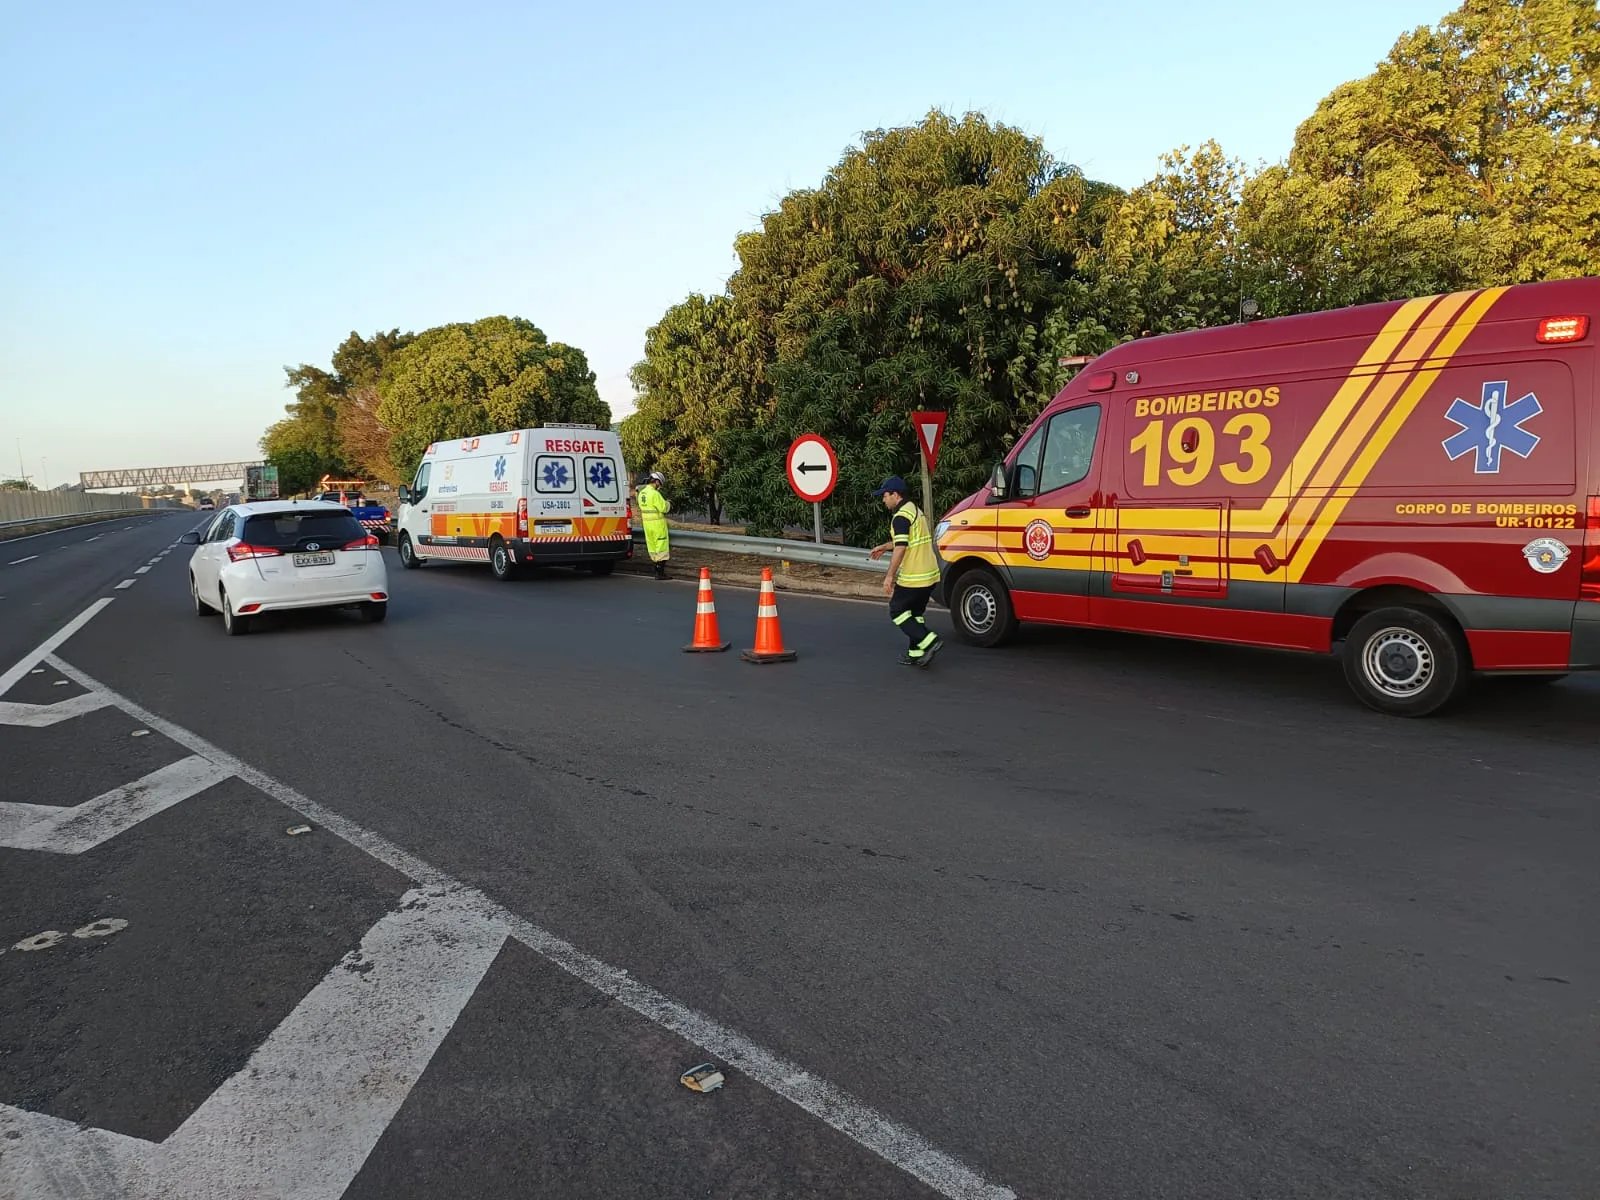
[707, 640]
[769, 637]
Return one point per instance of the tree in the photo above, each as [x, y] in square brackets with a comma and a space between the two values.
[1471, 156]
[699, 378]
[937, 267]
[16, 485]
[497, 373]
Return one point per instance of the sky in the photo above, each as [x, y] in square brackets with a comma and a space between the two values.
[193, 196]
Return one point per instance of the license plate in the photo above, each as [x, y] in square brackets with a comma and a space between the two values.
[553, 527]
[313, 560]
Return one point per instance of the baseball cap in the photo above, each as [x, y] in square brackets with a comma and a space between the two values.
[892, 484]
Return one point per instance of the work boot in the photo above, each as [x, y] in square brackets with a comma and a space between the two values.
[660, 570]
[927, 655]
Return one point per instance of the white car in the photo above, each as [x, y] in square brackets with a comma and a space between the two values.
[281, 554]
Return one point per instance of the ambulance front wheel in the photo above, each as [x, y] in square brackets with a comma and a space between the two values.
[981, 608]
[1405, 662]
[408, 554]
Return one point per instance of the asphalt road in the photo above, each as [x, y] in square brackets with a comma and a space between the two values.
[1094, 916]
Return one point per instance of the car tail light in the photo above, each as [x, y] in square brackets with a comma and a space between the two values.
[379, 595]
[522, 517]
[243, 550]
[1589, 577]
[1563, 329]
[629, 512]
[248, 608]
[361, 543]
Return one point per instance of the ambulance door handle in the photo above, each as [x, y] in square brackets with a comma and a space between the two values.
[1079, 510]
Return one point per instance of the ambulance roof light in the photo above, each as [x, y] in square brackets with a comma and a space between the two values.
[1102, 381]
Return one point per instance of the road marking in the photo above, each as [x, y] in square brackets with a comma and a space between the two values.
[19, 561]
[95, 538]
[126, 583]
[142, 570]
[85, 826]
[899, 1145]
[42, 716]
[30, 660]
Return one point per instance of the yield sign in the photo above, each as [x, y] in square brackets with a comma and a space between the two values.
[930, 434]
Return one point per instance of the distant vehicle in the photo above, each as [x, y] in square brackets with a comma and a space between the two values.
[207, 504]
[552, 496]
[278, 555]
[260, 483]
[1415, 485]
[373, 516]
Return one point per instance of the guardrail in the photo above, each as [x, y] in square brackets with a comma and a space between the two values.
[81, 518]
[825, 555]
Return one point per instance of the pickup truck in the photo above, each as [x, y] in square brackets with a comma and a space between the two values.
[373, 517]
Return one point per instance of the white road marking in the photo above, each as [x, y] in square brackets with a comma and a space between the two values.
[142, 570]
[49, 1157]
[126, 583]
[19, 561]
[102, 927]
[896, 1143]
[95, 538]
[301, 1117]
[41, 716]
[30, 660]
[41, 941]
[84, 826]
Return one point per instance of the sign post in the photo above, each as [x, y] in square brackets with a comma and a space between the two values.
[929, 427]
[813, 471]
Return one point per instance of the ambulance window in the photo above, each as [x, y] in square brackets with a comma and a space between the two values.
[600, 479]
[1025, 467]
[554, 473]
[1069, 447]
[420, 487]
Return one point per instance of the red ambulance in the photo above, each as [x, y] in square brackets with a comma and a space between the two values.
[1413, 485]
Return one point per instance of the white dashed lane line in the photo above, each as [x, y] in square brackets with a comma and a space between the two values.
[126, 583]
[16, 561]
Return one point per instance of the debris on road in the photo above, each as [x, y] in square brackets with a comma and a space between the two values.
[297, 830]
[707, 1077]
[140, 733]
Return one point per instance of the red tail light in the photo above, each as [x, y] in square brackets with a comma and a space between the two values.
[522, 517]
[1589, 577]
[245, 550]
[361, 543]
[1563, 329]
[630, 512]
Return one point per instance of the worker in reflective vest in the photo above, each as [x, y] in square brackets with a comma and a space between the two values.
[653, 510]
[913, 572]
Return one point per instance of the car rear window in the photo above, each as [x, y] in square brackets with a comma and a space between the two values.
[285, 530]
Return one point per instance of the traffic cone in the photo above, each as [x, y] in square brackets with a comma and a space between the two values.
[769, 637]
[707, 640]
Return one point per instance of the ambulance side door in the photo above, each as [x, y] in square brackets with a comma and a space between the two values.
[1051, 539]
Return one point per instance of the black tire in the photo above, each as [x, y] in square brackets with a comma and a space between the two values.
[233, 625]
[1405, 662]
[502, 563]
[374, 611]
[201, 608]
[980, 609]
[408, 554]
[601, 568]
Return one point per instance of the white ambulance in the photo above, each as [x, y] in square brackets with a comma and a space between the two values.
[556, 496]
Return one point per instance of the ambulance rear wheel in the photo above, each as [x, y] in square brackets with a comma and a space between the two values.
[1405, 662]
[502, 563]
[408, 553]
[981, 609]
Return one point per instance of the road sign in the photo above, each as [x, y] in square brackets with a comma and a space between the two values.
[930, 434]
[813, 468]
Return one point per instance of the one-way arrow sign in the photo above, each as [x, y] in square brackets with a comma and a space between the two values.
[813, 468]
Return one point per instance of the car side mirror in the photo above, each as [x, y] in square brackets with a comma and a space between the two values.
[192, 538]
[998, 482]
[405, 494]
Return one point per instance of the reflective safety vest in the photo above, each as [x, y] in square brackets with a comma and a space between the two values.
[920, 566]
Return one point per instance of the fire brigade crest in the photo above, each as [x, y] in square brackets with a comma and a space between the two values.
[1038, 539]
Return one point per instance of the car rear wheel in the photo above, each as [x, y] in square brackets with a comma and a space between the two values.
[502, 565]
[374, 611]
[201, 608]
[1405, 662]
[981, 608]
[408, 555]
[232, 623]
